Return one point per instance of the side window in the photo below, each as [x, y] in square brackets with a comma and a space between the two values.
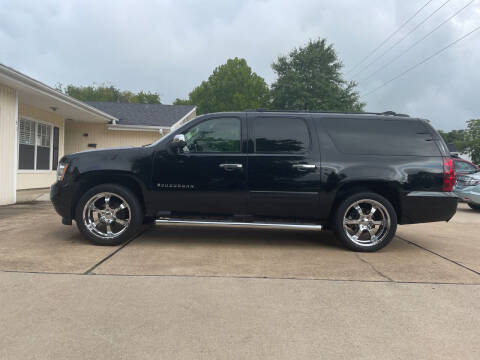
[472, 169]
[464, 167]
[280, 135]
[214, 135]
[363, 136]
[459, 166]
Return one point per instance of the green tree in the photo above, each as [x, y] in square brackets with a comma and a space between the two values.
[183, 102]
[473, 139]
[231, 87]
[309, 78]
[143, 97]
[109, 93]
[456, 137]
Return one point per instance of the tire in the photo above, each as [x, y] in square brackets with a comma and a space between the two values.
[110, 225]
[474, 206]
[366, 232]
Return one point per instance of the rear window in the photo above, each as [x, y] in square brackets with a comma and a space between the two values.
[280, 135]
[381, 137]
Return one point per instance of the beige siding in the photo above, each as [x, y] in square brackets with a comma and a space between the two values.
[8, 112]
[40, 179]
[75, 139]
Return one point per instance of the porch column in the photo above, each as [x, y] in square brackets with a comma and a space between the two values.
[8, 144]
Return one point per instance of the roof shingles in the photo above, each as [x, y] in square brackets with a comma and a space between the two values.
[143, 114]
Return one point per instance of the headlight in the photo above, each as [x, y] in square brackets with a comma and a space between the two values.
[61, 170]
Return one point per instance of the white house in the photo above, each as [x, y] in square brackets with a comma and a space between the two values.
[39, 124]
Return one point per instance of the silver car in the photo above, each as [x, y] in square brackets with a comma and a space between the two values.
[467, 188]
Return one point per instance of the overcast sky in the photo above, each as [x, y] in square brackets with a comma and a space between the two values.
[171, 46]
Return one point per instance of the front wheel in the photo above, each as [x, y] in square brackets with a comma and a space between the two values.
[109, 214]
[365, 222]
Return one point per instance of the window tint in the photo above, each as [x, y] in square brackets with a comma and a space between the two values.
[280, 134]
[214, 135]
[464, 167]
[381, 137]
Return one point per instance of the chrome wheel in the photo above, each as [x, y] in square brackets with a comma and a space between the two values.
[106, 215]
[366, 222]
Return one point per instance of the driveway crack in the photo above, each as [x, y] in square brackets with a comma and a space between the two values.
[434, 253]
[90, 271]
[374, 268]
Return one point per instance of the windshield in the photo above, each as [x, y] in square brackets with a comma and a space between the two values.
[157, 141]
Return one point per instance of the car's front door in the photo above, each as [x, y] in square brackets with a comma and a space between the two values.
[283, 166]
[208, 175]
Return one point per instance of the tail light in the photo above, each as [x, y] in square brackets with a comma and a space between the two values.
[448, 174]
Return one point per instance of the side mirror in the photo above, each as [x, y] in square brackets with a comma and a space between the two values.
[178, 141]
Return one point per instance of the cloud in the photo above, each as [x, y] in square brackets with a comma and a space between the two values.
[171, 46]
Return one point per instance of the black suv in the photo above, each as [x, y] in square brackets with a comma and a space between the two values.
[358, 174]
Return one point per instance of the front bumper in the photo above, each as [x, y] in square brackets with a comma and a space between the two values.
[469, 194]
[61, 197]
[428, 206]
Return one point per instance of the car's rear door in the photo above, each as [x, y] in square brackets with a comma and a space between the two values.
[283, 166]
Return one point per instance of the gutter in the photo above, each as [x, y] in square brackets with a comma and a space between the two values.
[179, 122]
[47, 90]
[138, 128]
[152, 128]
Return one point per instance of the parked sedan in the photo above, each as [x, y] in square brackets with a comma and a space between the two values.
[467, 188]
[464, 167]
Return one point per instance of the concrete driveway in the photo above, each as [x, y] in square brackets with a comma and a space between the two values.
[200, 293]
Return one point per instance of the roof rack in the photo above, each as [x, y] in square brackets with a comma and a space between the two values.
[390, 113]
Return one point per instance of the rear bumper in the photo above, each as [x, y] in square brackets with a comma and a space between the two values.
[61, 197]
[427, 206]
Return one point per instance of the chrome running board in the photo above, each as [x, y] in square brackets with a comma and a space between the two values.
[264, 225]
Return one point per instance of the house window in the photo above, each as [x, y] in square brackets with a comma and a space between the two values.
[34, 145]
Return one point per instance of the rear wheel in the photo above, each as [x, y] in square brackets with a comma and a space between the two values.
[109, 214]
[365, 222]
[474, 206]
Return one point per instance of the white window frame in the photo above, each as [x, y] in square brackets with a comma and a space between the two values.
[35, 171]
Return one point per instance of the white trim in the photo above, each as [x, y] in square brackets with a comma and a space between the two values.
[27, 171]
[138, 128]
[63, 142]
[179, 122]
[15, 151]
[47, 90]
[35, 146]
[51, 146]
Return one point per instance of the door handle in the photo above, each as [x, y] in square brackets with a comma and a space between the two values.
[304, 167]
[231, 167]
